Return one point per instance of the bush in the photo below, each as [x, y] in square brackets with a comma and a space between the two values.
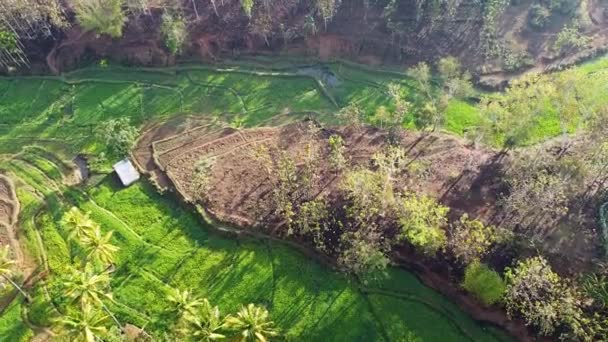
[539, 16]
[422, 221]
[174, 32]
[118, 135]
[102, 16]
[571, 38]
[484, 283]
[543, 298]
[471, 239]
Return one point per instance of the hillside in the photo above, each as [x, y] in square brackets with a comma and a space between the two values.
[494, 38]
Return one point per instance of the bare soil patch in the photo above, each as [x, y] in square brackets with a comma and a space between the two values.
[161, 134]
[242, 186]
[6, 212]
[467, 179]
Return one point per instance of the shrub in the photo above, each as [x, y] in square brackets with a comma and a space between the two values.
[102, 16]
[470, 239]
[422, 221]
[118, 135]
[247, 6]
[542, 298]
[336, 152]
[174, 32]
[484, 283]
[8, 41]
[571, 38]
[539, 16]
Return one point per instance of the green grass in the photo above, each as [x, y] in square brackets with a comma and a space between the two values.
[162, 246]
[12, 327]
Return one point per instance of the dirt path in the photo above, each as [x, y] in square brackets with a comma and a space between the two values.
[9, 196]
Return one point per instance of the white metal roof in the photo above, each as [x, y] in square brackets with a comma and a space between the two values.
[126, 172]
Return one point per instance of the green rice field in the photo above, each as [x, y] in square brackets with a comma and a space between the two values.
[45, 121]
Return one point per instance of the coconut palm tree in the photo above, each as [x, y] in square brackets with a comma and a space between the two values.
[86, 287]
[86, 325]
[206, 325]
[184, 303]
[78, 224]
[98, 247]
[253, 324]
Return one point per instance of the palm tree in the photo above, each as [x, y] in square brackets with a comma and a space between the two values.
[98, 247]
[89, 288]
[253, 323]
[78, 224]
[184, 303]
[6, 265]
[85, 325]
[86, 287]
[206, 325]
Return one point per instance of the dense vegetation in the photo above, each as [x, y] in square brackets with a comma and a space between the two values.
[82, 115]
[101, 260]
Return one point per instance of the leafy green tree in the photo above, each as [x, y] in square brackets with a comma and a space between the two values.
[118, 135]
[351, 115]
[539, 16]
[542, 298]
[286, 188]
[368, 197]
[536, 197]
[85, 325]
[421, 73]
[483, 282]
[328, 9]
[449, 68]
[571, 38]
[390, 162]
[382, 115]
[336, 152]
[89, 288]
[101, 16]
[363, 252]
[456, 81]
[8, 41]
[422, 220]
[173, 29]
[394, 119]
[312, 219]
[247, 6]
[252, 323]
[470, 239]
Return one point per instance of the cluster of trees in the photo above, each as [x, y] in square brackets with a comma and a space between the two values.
[118, 135]
[511, 118]
[427, 107]
[24, 20]
[197, 320]
[359, 231]
[82, 296]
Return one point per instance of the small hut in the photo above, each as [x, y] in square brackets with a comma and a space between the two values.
[126, 172]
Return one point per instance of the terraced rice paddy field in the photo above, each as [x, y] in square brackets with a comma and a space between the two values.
[46, 121]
